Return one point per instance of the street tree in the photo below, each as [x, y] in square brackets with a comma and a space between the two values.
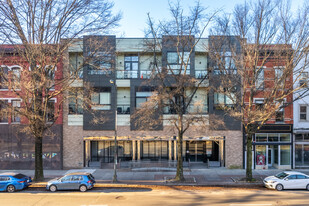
[39, 33]
[266, 35]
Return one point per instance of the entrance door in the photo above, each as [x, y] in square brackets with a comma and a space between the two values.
[270, 158]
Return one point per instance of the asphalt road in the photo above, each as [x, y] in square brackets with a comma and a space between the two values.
[161, 197]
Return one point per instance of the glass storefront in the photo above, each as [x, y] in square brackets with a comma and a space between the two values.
[302, 150]
[103, 151]
[154, 150]
[273, 150]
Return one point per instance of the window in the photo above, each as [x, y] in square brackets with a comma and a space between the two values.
[178, 62]
[16, 78]
[50, 78]
[303, 80]
[4, 78]
[101, 64]
[225, 64]
[280, 114]
[259, 83]
[76, 101]
[15, 111]
[278, 75]
[142, 97]
[259, 104]
[4, 105]
[101, 99]
[50, 111]
[303, 113]
[221, 100]
[76, 68]
[66, 179]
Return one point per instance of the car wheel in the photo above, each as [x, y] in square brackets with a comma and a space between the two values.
[10, 188]
[53, 188]
[279, 187]
[83, 188]
[307, 187]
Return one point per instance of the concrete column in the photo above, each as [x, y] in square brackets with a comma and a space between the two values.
[133, 150]
[175, 149]
[138, 149]
[87, 152]
[170, 149]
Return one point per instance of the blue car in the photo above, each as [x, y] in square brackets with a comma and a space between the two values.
[74, 181]
[13, 181]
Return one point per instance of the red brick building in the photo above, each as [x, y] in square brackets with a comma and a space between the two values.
[16, 141]
[272, 94]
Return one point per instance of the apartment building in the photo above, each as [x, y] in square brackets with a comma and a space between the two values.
[119, 88]
[17, 149]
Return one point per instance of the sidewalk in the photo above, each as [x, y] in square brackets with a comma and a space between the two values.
[157, 176]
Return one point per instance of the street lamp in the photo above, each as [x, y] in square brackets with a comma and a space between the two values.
[115, 139]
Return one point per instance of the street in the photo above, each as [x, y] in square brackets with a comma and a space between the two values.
[147, 196]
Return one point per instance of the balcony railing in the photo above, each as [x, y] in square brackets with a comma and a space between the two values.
[200, 74]
[123, 109]
[145, 74]
[123, 74]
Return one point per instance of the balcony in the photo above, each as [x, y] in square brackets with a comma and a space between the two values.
[124, 74]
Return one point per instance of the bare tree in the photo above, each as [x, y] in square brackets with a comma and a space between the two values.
[267, 35]
[172, 82]
[40, 32]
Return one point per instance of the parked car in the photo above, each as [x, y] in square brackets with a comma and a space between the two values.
[11, 182]
[74, 181]
[287, 180]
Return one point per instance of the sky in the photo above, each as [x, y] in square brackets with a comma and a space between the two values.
[134, 12]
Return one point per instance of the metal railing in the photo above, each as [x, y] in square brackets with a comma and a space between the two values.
[123, 74]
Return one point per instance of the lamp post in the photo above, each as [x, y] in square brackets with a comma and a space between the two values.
[115, 139]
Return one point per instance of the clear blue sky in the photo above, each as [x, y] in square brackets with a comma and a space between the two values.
[135, 12]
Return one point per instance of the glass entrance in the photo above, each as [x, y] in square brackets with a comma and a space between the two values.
[201, 151]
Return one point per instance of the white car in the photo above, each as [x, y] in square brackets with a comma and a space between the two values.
[287, 180]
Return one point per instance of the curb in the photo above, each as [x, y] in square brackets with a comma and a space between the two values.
[151, 185]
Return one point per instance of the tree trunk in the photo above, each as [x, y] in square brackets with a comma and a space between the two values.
[38, 175]
[179, 173]
[249, 157]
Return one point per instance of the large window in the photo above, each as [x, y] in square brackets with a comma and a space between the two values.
[101, 63]
[285, 153]
[76, 101]
[4, 105]
[130, 66]
[303, 113]
[4, 78]
[15, 111]
[178, 62]
[101, 99]
[143, 95]
[221, 100]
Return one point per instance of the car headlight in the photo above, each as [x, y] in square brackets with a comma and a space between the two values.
[272, 181]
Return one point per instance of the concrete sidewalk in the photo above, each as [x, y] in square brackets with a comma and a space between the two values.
[160, 176]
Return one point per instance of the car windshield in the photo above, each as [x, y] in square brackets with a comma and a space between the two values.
[281, 175]
[19, 176]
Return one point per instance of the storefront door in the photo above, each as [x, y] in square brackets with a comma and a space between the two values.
[270, 156]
